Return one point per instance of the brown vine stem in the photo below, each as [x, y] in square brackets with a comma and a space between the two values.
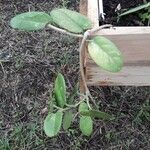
[94, 30]
[87, 34]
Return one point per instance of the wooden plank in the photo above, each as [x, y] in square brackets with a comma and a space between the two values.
[83, 7]
[134, 43]
[128, 76]
[92, 12]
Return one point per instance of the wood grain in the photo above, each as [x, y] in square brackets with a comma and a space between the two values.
[128, 76]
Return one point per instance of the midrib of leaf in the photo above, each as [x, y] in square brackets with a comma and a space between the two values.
[71, 19]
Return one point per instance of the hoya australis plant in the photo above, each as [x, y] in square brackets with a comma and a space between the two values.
[62, 114]
[104, 53]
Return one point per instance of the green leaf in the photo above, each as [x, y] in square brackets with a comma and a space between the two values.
[83, 107]
[97, 114]
[144, 16]
[68, 116]
[105, 54]
[70, 20]
[51, 104]
[52, 123]
[132, 10]
[86, 125]
[30, 21]
[60, 90]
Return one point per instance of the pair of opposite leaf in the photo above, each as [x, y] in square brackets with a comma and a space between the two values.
[54, 121]
[102, 51]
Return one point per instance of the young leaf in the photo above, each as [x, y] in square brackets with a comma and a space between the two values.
[96, 114]
[70, 20]
[83, 107]
[105, 54]
[60, 90]
[86, 125]
[52, 123]
[68, 116]
[144, 16]
[30, 21]
[132, 10]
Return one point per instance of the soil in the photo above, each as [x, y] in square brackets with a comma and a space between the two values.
[30, 63]
[128, 20]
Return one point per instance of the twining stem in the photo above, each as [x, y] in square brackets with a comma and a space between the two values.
[92, 31]
[76, 105]
[64, 31]
[69, 106]
[87, 34]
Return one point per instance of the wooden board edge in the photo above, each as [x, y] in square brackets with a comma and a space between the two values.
[124, 31]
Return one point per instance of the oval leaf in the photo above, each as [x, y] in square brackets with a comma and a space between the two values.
[68, 116]
[105, 54]
[132, 10]
[70, 20]
[97, 114]
[30, 21]
[52, 124]
[83, 107]
[60, 90]
[86, 125]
